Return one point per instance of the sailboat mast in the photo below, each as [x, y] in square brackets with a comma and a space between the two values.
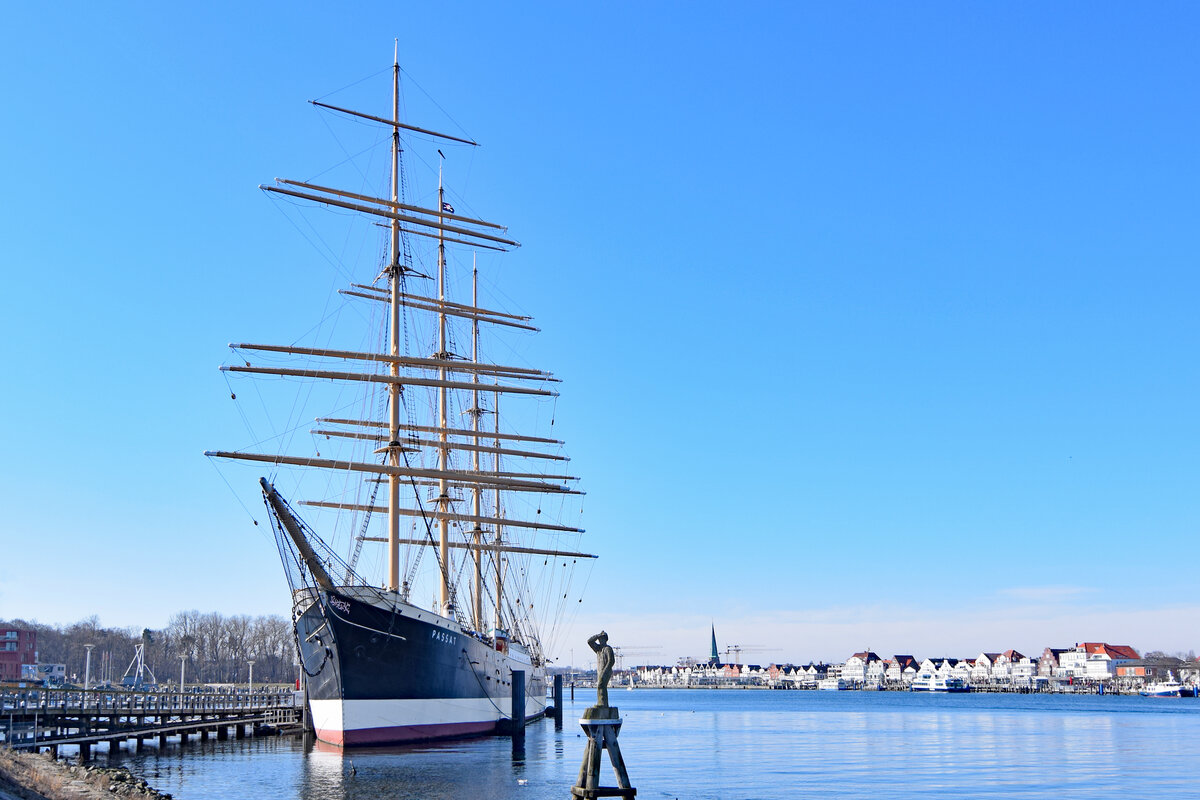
[477, 491]
[499, 530]
[444, 449]
[393, 448]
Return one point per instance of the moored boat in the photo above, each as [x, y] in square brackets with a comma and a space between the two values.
[936, 683]
[1168, 688]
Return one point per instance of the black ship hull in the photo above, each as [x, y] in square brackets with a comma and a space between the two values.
[380, 671]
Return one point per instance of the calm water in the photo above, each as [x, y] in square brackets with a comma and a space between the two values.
[737, 745]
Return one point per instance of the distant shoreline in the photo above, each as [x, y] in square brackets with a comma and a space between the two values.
[1085, 689]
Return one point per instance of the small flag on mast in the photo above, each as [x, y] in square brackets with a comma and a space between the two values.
[449, 209]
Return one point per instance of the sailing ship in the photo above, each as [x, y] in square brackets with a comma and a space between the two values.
[379, 666]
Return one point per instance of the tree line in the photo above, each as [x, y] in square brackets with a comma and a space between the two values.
[211, 647]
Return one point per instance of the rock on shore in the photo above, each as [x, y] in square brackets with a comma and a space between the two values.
[24, 776]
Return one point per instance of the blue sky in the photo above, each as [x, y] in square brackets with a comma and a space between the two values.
[877, 324]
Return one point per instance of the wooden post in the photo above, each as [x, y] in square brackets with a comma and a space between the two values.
[306, 713]
[239, 731]
[162, 741]
[558, 697]
[85, 752]
[601, 724]
[222, 732]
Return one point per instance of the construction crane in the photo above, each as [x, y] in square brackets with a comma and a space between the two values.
[736, 651]
[635, 651]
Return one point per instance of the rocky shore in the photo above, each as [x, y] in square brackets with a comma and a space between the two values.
[25, 776]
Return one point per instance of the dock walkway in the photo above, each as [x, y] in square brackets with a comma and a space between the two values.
[33, 719]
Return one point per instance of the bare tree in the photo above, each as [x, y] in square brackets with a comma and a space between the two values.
[214, 647]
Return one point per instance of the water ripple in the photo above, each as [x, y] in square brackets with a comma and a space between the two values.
[744, 745]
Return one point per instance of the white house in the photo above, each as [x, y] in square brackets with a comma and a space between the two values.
[1072, 663]
[1008, 664]
[855, 668]
[898, 666]
[982, 671]
[1103, 659]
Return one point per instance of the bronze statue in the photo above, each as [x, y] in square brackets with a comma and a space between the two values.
[604, 666]
[602, 723]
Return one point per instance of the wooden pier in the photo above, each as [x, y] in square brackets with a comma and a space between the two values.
[36, 719]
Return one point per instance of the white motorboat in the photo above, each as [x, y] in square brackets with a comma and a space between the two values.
[936, 683]
[1168, 688]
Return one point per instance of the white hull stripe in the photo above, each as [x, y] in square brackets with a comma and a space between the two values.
[388, 721]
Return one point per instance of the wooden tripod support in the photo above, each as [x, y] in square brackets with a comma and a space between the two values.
[601, 724]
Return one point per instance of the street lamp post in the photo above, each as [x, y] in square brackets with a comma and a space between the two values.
[87, 668]
[87, 671]
[251, 663]
[182, 662]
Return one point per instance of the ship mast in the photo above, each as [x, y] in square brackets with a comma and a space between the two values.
[477, 491]
[499, 537]
[394, 388]
[487, 532]
[444, 448]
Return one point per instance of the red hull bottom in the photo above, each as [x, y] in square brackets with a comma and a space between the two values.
[402, 734]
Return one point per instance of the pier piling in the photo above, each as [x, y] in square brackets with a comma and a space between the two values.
[558, 698]
[518, 703]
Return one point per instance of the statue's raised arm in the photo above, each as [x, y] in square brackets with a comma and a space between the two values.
[604, 666]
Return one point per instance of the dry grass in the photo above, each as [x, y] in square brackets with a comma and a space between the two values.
[35, 777]
[20, 776]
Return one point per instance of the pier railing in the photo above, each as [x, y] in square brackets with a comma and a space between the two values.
[143, 702]
[30, 718]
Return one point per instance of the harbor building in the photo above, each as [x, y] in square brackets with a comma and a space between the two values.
[1051, 662]
[18, 649]
[1116, 668]
[1152, 669]
[856, 668]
